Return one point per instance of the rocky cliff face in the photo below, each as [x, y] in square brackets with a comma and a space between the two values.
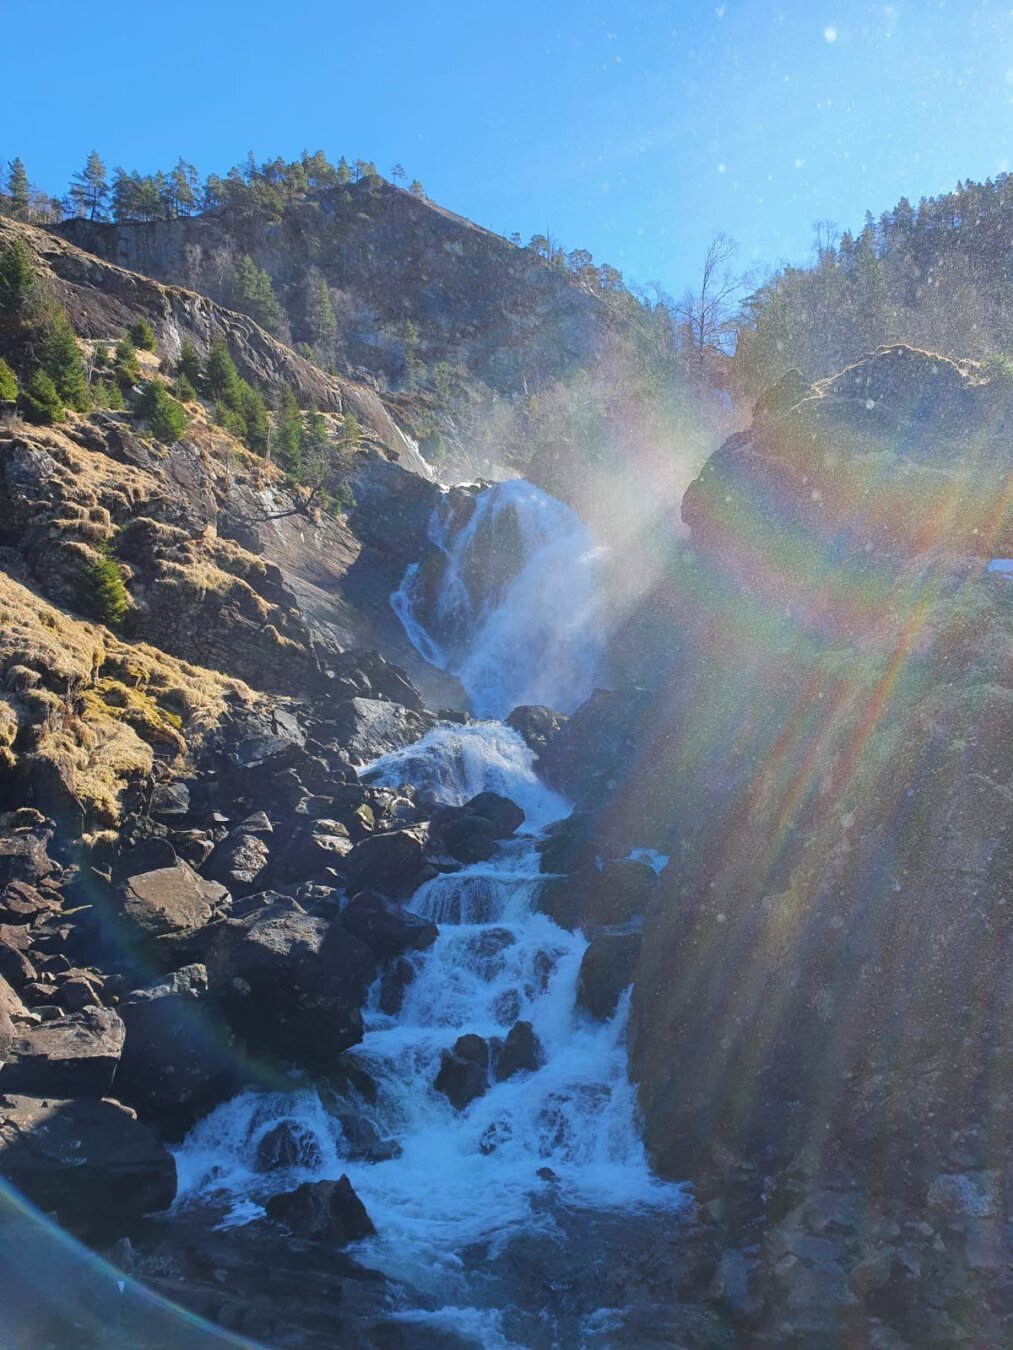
[822, 985]
[474, 299]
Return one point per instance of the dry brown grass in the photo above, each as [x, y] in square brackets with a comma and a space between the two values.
[97, 708]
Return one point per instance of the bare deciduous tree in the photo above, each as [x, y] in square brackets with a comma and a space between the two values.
[707, 313]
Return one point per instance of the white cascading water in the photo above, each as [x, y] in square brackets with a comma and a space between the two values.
[471, 1176]
[531, 636]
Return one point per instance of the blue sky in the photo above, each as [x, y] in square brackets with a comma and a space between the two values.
[632, 129]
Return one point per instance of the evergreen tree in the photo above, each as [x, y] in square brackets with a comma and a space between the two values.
[220, 376]
[188, 366]
[253, 293]
[8, 383]
[343, 173]
[289, 437]
[39, 400]
[320, 319]
[18, 190]
[142, 335]
[250, 406]
[89, 190]
[60, 358]
[19, 286]
[166, 419]
[125, 364]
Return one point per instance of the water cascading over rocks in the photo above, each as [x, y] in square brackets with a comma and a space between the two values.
[499, 1105]
[507, 599]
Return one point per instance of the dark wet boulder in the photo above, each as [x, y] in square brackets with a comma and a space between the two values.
[290, 984]
[239, 861]
[464, 1071]
[536, 725]
[387, 929]
[520, 1052]
[168, 900]
[471, 832]
[370, 675]
[391, 862]
[322, 1211]
[23, 855]
[287, 1144]
[170, 801]
[363, 1139]
[315, 850]
[594, 747]
[75, 1056]
[86, 1160]
[368, 727]
[177, 1059]
[153, 854]
[615, 893]
[395, 979]
[606, 970]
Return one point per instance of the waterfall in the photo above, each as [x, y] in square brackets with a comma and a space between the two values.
[557, 1140]
[510, 605]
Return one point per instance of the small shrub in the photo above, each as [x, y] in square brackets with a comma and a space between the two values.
[142, 335]
[185, 391]
[100, 357]
[188, 366]
[8, 383]
[39, 400]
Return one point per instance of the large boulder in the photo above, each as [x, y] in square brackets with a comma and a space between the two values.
[520, 1052]
[239, 861]
[387, 929]
[75, 1056]
[391, 862]
[606, 969]
[322, 1211]
[464, 1071]
[290, 984]
[87, 1161]
[594, 747]
[613, 894]
[168, 900]
[177, 1060]
[470, 832]
[536, 725]
[368, 727]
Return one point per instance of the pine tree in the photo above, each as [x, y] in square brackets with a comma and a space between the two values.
[253, 293]
[220, 375]
[19, 286]
[166, 418]
[320, 319]
[290, 436]
[39, 400]
[188, 365]
[249, 404]
[18, 190]
[89, 190]
[343, 173]
[125, 364]
[61, 360]
[8, 383]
